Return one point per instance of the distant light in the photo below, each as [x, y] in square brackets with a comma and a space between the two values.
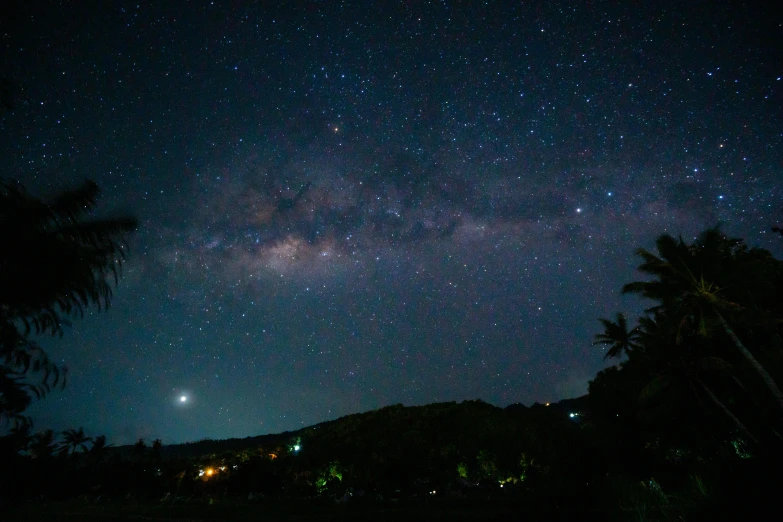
[547, 404]
[572, 415]
[720, 197]
[579, 211]
[296, 447]
[608, 193]
[183, 398]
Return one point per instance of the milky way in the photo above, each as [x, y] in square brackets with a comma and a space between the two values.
[349, 205]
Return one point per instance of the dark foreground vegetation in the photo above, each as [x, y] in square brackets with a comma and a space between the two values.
[687, 426]
[468, 461]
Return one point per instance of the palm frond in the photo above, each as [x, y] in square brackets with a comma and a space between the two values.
[53, 265]
[74, 203]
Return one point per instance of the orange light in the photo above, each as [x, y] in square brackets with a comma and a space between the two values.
[210, 472]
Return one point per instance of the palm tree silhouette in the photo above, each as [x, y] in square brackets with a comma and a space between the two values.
[53, 264]
[685, 285]
[15, 396]
[681, 367]
[98, 449]
[617, 336]
[74, 440]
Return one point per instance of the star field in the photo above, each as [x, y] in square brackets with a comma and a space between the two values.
[349, 205]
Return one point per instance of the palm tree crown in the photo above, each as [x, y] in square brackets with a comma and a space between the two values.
[617, 337]
[74, 440]
[53, 262]
[690, 282]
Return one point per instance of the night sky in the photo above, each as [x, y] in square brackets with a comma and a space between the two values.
[348, 205]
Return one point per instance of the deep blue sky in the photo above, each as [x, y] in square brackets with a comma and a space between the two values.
[473, 179]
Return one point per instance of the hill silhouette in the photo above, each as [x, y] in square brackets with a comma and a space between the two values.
[468, 426]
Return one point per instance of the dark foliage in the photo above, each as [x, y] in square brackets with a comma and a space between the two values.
[53, 264]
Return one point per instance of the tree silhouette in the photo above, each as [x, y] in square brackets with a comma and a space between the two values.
[99, 444]
[617, 336]
[15, 396]
[686, 285]
[140, 450]
[98, 449]
[42, 445]
[684, 368]
[156, 449]
[53, 264]
[74, 440]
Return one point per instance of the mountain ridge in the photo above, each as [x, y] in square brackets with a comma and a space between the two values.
[388, 416]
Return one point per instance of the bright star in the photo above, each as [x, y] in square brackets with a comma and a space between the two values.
[183, 398]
